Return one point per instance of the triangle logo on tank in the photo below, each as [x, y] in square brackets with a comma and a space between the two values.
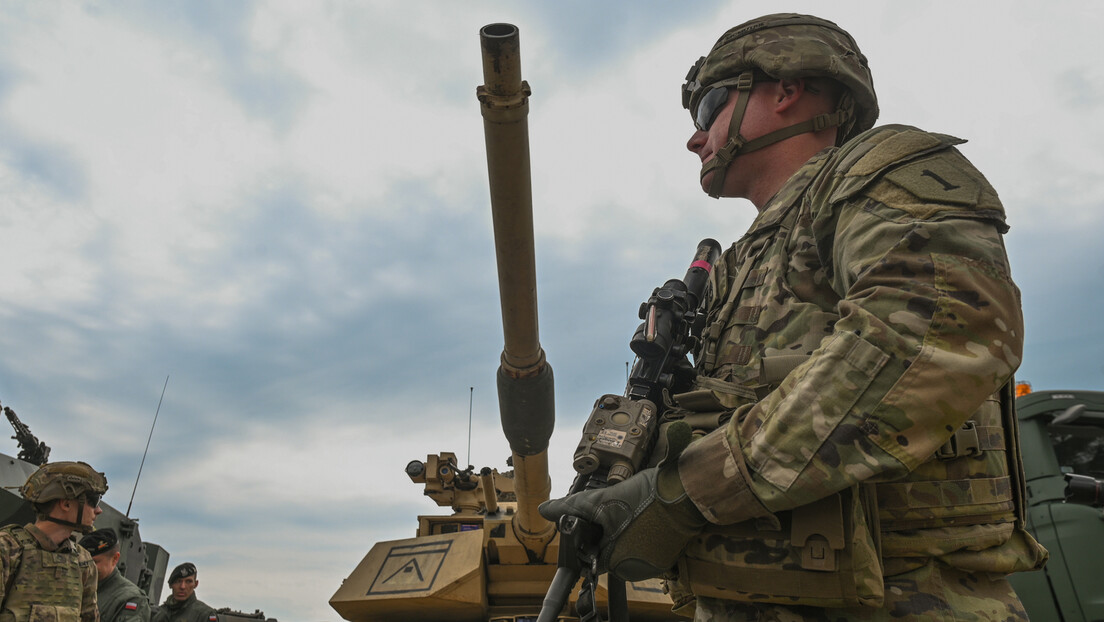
[410, 568]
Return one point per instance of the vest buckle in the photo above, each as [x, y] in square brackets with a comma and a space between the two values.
[963, 443]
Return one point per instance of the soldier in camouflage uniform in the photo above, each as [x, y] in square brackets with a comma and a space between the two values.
[119, 600]
[182, 604]
[45, 575]
[858, 354]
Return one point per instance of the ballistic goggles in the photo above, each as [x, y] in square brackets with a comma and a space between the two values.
[704, 103]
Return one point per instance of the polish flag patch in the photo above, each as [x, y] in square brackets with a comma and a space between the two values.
[131, 606]
[212, 618]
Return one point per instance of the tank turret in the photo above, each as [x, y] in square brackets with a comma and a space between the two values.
[493, 559]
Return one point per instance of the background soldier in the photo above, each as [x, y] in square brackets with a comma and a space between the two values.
[859, 345]
[44, 575]
[182, 605]
[118, 598]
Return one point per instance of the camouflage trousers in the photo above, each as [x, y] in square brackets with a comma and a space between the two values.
[931, 592]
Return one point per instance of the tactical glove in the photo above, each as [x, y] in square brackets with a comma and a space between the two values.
[646, 520]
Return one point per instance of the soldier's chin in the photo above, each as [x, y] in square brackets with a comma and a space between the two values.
[705, 181]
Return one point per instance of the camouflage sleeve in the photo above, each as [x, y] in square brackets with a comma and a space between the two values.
[9, 561]
[89, 610]
[929, 327]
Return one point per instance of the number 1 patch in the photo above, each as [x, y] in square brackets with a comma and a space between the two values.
[937, 180]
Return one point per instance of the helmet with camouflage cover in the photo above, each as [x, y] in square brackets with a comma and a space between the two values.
[776, 47]
[63, 480]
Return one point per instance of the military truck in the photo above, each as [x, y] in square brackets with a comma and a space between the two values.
[1062, 440]
[493, 559]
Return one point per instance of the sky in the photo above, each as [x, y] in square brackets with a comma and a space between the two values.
[282, 208]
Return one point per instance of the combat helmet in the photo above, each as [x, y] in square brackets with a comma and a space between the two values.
[776, 47]
[65, 480]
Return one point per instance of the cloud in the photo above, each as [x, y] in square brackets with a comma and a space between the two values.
[283, 207]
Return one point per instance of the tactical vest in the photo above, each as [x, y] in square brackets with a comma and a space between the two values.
[761, 325]
[48, 585]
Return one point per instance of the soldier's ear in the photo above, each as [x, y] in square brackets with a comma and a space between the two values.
[787, 92]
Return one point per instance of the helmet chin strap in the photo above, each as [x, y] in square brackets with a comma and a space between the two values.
[737, 144]
[77, 526]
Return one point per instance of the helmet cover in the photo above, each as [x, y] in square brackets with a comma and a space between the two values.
[63, 480]
[784, 46]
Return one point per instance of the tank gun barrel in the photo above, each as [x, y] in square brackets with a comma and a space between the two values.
[505, 106]
[525, 386]
[494, 557]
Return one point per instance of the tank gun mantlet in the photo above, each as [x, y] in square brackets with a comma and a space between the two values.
[484, 501]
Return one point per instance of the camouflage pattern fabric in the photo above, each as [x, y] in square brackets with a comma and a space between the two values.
[788, 45]
[63, 480]
[122, 601]
[932, 592]
[881, 266]
[40, 582]
[190, 610]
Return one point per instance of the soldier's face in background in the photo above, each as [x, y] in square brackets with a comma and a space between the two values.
[105, 564]
[184, 588]
[91, 510]
[70, 510]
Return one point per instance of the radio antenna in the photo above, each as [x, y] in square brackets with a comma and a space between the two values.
[157, 412]
[471, 397]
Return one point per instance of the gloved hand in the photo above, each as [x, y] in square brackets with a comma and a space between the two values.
[646, 520]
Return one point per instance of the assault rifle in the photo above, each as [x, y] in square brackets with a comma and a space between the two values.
[621, 431]
[30, 448]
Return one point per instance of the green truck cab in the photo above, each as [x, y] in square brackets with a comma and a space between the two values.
[1062, 441]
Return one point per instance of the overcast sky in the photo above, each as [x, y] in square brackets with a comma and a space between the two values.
[283, 207]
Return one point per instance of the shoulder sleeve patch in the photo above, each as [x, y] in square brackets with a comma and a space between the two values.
[937, 180]
[899, 147]
[893, 149]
